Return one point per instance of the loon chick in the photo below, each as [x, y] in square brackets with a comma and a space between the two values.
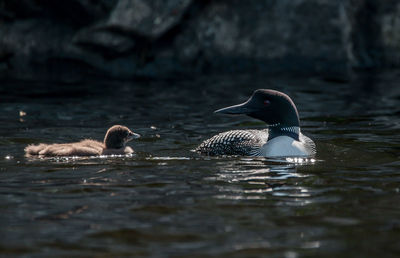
[282, 138]
[114, 143]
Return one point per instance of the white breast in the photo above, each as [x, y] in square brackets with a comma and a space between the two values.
[284, 146]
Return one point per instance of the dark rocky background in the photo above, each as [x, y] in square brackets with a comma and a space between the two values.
[75, 39]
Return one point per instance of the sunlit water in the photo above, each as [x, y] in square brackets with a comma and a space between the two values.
[168, 201]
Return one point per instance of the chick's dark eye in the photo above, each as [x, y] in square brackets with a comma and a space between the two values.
[266, 102]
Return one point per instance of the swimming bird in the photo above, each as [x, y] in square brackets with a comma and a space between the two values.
[114, 143]
[282, 137]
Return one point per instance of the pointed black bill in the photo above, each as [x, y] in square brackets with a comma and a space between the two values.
[236, 109]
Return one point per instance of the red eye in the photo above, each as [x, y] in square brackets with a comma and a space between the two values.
[266, 102]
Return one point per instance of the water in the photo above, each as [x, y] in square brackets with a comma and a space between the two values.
[168, 201]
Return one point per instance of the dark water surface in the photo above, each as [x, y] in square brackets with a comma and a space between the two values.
[168, 201]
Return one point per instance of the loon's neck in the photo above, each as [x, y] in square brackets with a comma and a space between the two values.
[282, 130]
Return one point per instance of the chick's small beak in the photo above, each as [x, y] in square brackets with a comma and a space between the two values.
[132, 136]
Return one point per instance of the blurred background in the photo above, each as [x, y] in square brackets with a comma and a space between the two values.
[70, 40]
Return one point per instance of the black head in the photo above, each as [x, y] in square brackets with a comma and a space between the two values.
[117, 136]
[271, 106]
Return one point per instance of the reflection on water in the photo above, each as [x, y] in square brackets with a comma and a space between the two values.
[256, 179]
[167, 201]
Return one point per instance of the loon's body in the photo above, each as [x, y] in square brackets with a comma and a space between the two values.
[256, 143]
[114, 144]
[281, 139]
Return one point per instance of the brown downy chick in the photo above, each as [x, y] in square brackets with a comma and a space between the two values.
[114, 143]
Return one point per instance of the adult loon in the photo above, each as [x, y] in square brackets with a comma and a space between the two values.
[282, 138]
[114, 143]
